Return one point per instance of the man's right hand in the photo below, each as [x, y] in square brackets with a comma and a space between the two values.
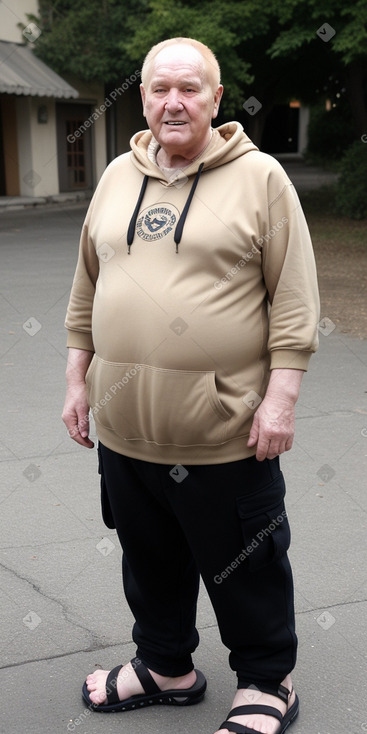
[76, 415]
[76, 408]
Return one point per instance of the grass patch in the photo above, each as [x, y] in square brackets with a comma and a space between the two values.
[327, 226]
[340, 249]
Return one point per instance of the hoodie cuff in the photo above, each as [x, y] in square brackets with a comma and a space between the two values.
[80, 340]
[289, 359]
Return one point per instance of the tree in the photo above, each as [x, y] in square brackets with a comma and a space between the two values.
[83, 38]
[269, 49]
[343, 28]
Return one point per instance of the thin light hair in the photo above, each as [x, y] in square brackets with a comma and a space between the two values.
[210, 61]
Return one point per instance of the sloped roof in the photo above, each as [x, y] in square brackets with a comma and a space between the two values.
[21, 72]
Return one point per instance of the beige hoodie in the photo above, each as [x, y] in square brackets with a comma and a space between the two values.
[185, 328]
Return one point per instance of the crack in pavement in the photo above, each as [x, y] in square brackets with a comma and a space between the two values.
[66, 613]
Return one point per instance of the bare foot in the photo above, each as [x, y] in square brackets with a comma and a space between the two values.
[260, 722]
[128, 683]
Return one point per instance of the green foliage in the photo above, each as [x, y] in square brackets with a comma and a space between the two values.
[266, 48]
[329, 133]
[351, 190]
[351, 41]
[221, 26]
[84, 38]
[104, 41]
[300, 20]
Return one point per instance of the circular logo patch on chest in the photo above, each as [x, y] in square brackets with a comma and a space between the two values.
[157, 221]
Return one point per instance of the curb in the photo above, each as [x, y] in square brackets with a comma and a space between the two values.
[15, 203]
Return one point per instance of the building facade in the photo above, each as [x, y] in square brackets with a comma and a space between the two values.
[41, 152]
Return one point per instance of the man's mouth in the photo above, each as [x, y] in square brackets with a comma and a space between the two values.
[175, 123]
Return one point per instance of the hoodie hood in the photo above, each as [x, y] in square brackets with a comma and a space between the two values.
[228, 142]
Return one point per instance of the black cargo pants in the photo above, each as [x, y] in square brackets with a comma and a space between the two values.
[225, 522]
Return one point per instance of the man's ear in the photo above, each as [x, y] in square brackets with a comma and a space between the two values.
[143, 97]
[217, 98]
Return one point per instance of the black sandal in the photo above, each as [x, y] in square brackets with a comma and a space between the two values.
[285, 721]
[152, 693]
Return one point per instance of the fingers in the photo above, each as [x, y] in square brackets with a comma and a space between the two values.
[76, 414]
[268, 445]
[254, 433]
[78, 428]
[83, 440]
[269, 449]
[272, 428]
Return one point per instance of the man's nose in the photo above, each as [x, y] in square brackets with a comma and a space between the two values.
[173, 101]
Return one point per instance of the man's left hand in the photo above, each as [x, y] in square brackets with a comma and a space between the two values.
[272, 428]
[273, 425]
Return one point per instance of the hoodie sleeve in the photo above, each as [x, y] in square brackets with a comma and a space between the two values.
[79, 312]
[290, 277]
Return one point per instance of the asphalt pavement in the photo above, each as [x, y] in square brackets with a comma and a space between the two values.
[63, 612]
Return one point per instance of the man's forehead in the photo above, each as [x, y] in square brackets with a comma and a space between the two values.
[181, 58]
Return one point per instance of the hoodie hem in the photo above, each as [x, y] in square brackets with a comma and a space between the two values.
[233, 450]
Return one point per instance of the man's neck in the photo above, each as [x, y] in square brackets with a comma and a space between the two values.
[174, 161]
[165, 160]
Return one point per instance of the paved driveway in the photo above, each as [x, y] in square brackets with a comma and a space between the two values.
[63, 612]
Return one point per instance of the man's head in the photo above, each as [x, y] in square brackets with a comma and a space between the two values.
[210, 62]
[181, 93]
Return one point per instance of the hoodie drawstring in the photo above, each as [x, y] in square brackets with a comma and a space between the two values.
[131, 230]
[181, 221]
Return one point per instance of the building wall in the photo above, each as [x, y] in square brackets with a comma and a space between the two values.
[37, 142]
[30, 150]
[304, 120]
[38, 173]
[93, 93]
[12, 13]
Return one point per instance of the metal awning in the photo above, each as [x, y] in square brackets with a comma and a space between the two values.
[21, 72]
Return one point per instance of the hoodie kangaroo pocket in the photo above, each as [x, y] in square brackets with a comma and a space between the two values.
[162, 406]
[264, 524]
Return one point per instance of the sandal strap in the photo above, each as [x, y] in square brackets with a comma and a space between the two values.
[255, 709]
[146, 680]
[142, 672]
[111, 685]
[284, 694]
[237, 728]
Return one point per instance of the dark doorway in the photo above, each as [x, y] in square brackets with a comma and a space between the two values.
[281, 130]
[2, 160]
[74, 147]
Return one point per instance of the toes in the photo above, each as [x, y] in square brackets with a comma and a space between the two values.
[97, 697]
[91, 683]
[96, 687]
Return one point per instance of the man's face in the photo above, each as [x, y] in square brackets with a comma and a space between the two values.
[178, 101]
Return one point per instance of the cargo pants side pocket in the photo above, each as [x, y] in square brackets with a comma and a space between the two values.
[105, 503]
[264, 524]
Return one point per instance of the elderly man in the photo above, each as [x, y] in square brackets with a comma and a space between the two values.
[192, 318]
